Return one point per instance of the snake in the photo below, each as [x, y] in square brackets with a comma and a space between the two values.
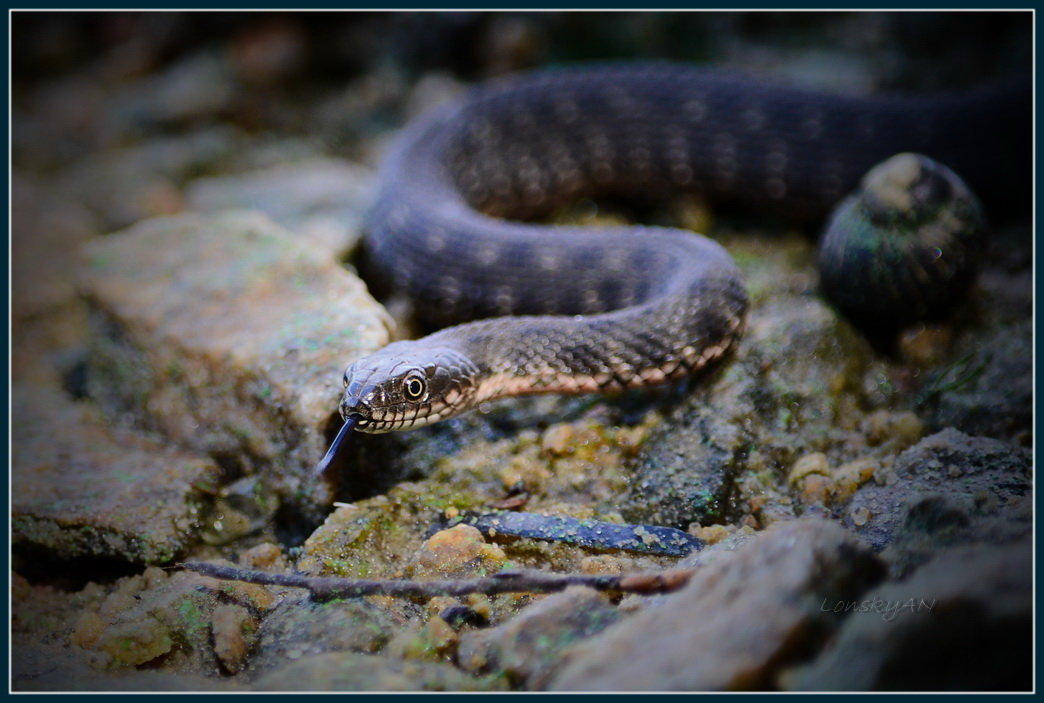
[526, 307]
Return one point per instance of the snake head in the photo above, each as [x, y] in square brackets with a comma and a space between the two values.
[407, 385]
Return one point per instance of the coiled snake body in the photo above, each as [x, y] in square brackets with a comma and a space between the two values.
[605, 308]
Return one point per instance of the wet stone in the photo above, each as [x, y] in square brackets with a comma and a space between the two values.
[743, 616]
[940, 486]
[224, 335]
[962, 622]
[321, 200]
[82, 488]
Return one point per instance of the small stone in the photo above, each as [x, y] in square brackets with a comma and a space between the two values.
[711, 534]
[901, 429]
[456, 552]
[860, 516]
[815, 463]
[233, 628]
[850, 476]
[300, 628]
[816, 489]
[557, 440]
[602, 564]
[926, 469]
[132, 643]
[263, 556]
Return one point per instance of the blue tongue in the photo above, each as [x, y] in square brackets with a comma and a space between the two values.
[335, 447]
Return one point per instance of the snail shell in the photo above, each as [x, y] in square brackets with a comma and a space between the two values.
[904, 246]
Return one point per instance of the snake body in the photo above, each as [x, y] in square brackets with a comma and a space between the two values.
[604, 308]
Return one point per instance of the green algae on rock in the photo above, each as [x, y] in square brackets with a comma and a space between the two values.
[223, 334]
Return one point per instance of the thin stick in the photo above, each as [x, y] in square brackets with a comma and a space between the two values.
[329, 588]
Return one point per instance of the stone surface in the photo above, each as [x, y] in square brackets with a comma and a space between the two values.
[154, 618]
[81, 488]
[528, 648]
[741, 618]
[321, 200]
[781, 398]
[224, 335]
[299, 628]
[973, 476]
[46, 234]
[962, 622]
[346, 671]
[988, 390]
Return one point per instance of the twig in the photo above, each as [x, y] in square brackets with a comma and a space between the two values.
[329, 588]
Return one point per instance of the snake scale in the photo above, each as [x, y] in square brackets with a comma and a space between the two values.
[604, 308]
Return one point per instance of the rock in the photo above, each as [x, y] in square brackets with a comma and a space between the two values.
[226, 336]
[743, 616]
[962, 622]
[168, 618]
[298, 628]
[320, 200]
[346, 671]
[940, 484]
[196, 87]
[528, 648]
[781, 389]
[46, 234]
[989, 390]
[81, 488]
[121, 186]
[459, 552]
[234, 629]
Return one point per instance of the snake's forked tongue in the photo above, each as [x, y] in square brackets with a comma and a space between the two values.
[335, 447]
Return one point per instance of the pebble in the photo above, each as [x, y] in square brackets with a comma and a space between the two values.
[851, 475]
[233, 629]
[130, 644]
[557, 439]
[458, 552]
[815, 463]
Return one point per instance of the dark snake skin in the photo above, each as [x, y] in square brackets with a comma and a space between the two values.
[622, 307]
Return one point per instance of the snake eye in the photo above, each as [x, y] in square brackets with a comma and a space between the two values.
[413, 387]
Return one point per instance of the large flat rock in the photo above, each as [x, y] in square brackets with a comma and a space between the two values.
[224, 334]
[82, 489]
